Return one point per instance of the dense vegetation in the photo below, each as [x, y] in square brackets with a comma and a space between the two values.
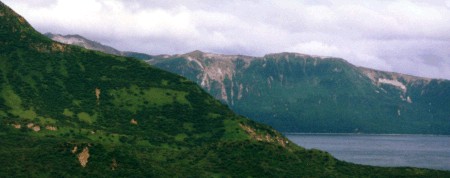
[70, 112]
[301, 93]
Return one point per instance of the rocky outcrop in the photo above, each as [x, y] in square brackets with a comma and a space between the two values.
[264, 137]
[83, 157]
[51, 128]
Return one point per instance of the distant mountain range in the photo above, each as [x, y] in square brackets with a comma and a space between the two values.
[302, 93]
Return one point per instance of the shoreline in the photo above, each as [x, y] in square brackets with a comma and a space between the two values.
[361, 134]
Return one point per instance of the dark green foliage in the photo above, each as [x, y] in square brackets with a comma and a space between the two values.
[137, 55]
[133, 120]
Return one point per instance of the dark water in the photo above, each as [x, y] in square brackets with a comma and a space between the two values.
[425, 151]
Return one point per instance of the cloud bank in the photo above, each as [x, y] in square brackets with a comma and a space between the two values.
[406, 36]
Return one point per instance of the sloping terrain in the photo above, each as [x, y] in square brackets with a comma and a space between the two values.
[301, 93]
[70, 112]
[78, 40]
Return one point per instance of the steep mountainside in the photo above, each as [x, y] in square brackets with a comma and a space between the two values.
[301, 93]
[93, 45]
[71, 112]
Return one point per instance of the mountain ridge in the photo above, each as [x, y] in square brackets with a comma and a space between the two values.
[227, 56]
[326, 80]
[216, 72]
[81, 41]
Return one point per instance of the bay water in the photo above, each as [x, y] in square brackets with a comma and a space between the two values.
[424, 151]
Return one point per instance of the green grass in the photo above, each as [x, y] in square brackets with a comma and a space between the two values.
[135, 97]
[233, 131]
[213, 115]
[188, 126]
[68, 113]
[12, 100]
[46, 121]
[85, 117]
[25, 114]
[180, 137]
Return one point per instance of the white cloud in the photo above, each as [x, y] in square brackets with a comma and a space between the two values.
[407, 36]
[317, 48]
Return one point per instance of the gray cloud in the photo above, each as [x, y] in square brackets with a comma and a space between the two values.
[407, 36]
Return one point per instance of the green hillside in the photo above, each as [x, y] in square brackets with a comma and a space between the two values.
[301, 93]
[70, 112]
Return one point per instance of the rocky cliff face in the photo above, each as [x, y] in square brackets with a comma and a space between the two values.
[302, 93]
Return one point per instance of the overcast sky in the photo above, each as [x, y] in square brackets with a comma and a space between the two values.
[404, 36]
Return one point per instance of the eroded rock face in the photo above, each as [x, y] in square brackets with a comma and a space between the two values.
[97, 94]
[30, 125]
[263, 137]
[114, 165]
[52, 128]
[17, 126]
[75, 149]
[83, 157]
[134, 121]
[36, 128]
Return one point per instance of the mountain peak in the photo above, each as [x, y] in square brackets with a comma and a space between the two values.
[81, 41]
[195, 54]
[11, 21]
[15, 28]
[6, 12]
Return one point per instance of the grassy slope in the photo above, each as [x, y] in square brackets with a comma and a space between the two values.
[92, 100]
